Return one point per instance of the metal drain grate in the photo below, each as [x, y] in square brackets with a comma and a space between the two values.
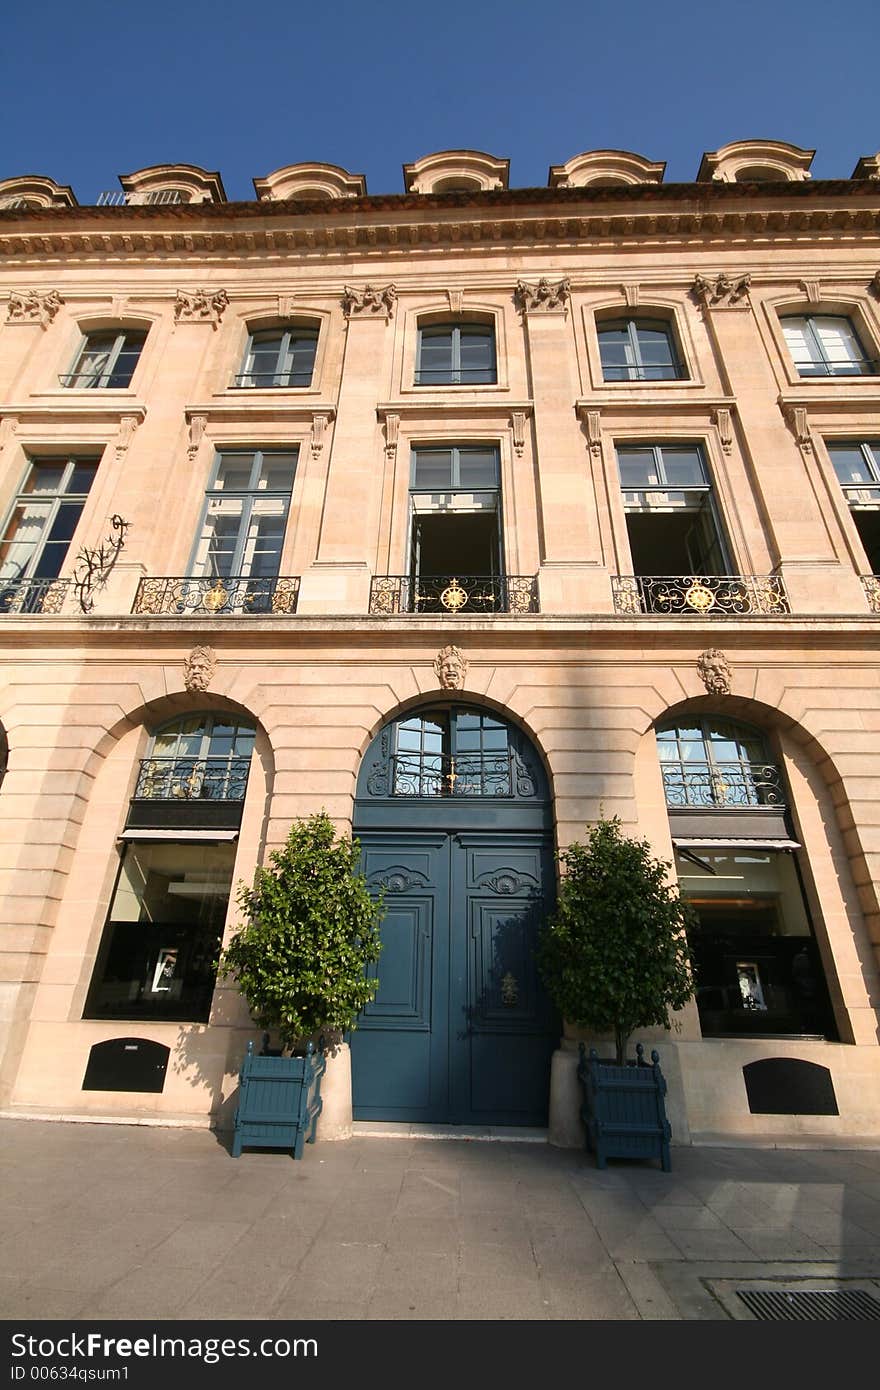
[811, 1305]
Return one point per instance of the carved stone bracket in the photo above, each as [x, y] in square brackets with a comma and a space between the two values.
[724, 425]
[369, 300]
[631, 295]
[456, 298]
[451, 667]
[518, 429]
[319, 428]
[27, 306]
[200, 306]
[199, 668]
[286, 306]
[798, 422]
[715, 671]
[593, 422]
[543, 296]
[127, 426]
[813, 291]
[197, 427]
[8, 427]
[723, 292]
[392, 429]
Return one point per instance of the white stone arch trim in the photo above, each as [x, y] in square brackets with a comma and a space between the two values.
[201, 185]
[459, 171]
[37, 191]
[310, 180]
[776, 159]
[606, 167]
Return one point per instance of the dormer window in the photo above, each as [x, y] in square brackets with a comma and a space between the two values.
[456, 354]
[278, 357]
[639, 350]
[826, 345]
[106, 360]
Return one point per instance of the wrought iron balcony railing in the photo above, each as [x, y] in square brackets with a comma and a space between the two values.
[113, 197]
[32, 595]
[192, 779]
[854, 366]
[456, 376]
[663, 371]
[267, 380]
[871, 585]
[238, 593]
[700, 595]
[462, 774]
[724, 785]
[469, 593]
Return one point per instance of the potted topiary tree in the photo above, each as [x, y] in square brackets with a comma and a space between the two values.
[614, 958]
[311, 928]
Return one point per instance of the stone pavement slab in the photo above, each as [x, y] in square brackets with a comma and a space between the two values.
[117, 1221]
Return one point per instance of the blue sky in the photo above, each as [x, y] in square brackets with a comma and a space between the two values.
[102, 87]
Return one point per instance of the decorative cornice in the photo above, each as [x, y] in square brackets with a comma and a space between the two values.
[486, 409]
[139, 231]
[70, 411]
[724, 292]
[200, 306]
[262, 410]
[369, 300]
[28, 306]
[545, 296]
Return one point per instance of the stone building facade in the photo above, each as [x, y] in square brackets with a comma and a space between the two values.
[467, 514]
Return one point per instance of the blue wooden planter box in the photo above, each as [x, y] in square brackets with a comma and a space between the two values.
[279, 1101]
[624, 1110]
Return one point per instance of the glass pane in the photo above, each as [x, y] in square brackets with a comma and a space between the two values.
[276, 472]
[477, 468]
[234, 473]
[45, 477]
[48, 564]
[22, 537]
[432, 470]
[683, 466]
[655, 348]
[638, 468]
[838, 340]
[799, 342]
[262, 552]
[615, 351]
[81, 478]
[851, 465]
[95, 358]
[477, 353]
[263, 359]
[301, 357]
[219, 538]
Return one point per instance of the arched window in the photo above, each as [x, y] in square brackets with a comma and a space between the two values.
[639, 349]
[826, 345]
[758, 970]
[201, 757]
[456, 354]
[716, 763]
[106, 360]
[278, 357]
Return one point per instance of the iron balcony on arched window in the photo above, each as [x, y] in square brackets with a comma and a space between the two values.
[719, 779]
[195, 776]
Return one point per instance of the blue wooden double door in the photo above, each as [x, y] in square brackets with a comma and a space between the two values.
[460, 1031]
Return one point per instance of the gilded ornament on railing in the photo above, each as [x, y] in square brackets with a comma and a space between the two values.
[453, 596]
[699, 597]
[217, 597]
[285, 596]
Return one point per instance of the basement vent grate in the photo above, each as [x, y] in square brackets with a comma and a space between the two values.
[811, 1305]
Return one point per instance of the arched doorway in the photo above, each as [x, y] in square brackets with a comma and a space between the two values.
[454, 817]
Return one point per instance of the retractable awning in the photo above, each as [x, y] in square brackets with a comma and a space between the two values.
[731, 842]
[179, 834]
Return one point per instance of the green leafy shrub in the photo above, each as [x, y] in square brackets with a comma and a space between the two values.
[311, 930]
[614, 956]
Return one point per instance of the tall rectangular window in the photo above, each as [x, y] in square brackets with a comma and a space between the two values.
[857, 465]
[456, 530]
[245, 515]
[670, 511]
[40, 527]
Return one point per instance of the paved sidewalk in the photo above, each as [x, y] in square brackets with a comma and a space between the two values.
[111, 1221]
